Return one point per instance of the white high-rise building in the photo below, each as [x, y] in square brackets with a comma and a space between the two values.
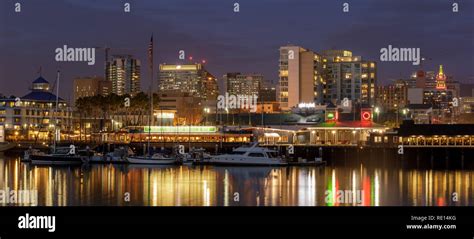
[300, 73]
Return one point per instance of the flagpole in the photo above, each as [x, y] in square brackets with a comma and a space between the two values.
[151, 75]
[151, 116]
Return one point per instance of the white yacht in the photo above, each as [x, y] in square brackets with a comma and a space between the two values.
[250, 156]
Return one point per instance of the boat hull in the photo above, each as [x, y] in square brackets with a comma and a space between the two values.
[150, 161]
[106, 159]
[6, 146]
[55, 160]
[237, 162]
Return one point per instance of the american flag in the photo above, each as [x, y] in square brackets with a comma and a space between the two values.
[150, 53]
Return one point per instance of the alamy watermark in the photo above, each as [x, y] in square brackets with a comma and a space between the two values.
[24, 197]
[229, 101]
[349, 197]
[37, 222]
[391, 53]
[75, 54]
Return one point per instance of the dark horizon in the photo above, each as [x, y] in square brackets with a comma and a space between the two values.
[245, 42]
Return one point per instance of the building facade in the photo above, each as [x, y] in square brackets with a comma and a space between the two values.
[267, 94]
[331, 77]
[348, 77]
[192, 79]
[393, 96]
[179, 108]
[299, 76]
[91, 86]
[243, 84]
[124, 73]
[35, 116]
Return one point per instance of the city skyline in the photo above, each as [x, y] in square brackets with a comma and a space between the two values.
[224, 51]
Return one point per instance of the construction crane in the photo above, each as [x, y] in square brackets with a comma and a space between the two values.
[107, 50]
[106, 57]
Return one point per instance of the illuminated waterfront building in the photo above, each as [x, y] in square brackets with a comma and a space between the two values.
[32, 117]
[192, 79]
[124, 73]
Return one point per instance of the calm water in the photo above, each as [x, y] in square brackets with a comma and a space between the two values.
[209, 186]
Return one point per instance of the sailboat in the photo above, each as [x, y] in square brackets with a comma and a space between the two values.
[156, 158]
[152, 159]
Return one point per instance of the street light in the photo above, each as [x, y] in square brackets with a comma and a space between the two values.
[207, 111]
[377, 111]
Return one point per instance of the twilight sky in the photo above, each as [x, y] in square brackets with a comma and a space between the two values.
[247, 41]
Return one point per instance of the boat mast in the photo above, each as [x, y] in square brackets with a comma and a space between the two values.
[56, 112]
[151, 118]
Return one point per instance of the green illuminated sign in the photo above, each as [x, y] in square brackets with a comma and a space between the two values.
[180, 129]
[330, 115]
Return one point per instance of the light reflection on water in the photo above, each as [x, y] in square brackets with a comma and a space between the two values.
[232, 186]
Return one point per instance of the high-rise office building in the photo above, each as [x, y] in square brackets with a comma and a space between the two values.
[348, 76]
[124, 73]
[300, 75]
[191, 78]
[243, 84]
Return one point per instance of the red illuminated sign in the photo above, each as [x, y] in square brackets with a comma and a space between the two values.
[366, 116]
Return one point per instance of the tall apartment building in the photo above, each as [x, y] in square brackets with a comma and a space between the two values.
[300, 75]
[124, 73]
[348, 76]
[309, 77]
[192, 79]
[243, 84]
